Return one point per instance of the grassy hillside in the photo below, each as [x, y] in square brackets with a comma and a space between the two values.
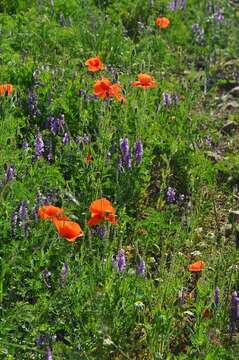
[163, 151]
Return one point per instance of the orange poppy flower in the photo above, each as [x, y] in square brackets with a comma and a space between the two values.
[6, 88]
[101, 209]
[197, 266]
[49, 212]
[145, 81]
[69, 230]
[94, 64]
[162, 22]
[103, 88]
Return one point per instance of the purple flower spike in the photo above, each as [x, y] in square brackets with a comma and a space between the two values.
[121, 263]
[173, 5]
[66, 139]
[48, 355]
[10, 173]
[167, 101]
[53, 124]
[124, 146]
[199, 33]
[217, 296]
[138, 151]
[171, 195]
[39, 145]
[128, 160]
[218, 16]
[32, 105]
[234, 309]
[86, 139]
[183, 4]
[141, 267]
[125, 160]
[23, 216]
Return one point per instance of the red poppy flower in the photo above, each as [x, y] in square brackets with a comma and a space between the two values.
[197, 266]
[94, 64]
[103, 89]
[69, 230]
[101, 209]
[49, 212]
[6, 88]
[162, 22]
[145, 81]
[89, 158]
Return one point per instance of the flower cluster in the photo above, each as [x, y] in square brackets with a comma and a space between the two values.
[125, 160]
[177, 4]
[169, 99]
[20, 218]
[101, 210]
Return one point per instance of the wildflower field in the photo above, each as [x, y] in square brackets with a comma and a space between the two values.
[119, 179]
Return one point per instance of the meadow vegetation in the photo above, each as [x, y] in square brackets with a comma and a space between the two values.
[163, 150]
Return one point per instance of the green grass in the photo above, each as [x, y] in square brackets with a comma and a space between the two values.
[98, 312]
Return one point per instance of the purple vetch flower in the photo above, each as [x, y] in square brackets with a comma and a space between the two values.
[124, 146]
[48, 355]
[199, 33]
[183, 4]
[125, 160]
[32, 105]
[167, 101]
[83, 139]
[66, 139]
[25, 144]
[138, 151]
[99, 230]
[171, 195]
[86, 139]
[208, 140]
[173, 5]
[234, 310]
[218, 16]
[217, 296]
[141, 267]
[176, 4]
[128, 161]
[41, 340]
[174, 99]
[46, 274]
[39, 145]
[23, 216]
[64, 273]
[10, 173]
[120, 258]
[53, 124]
[14, 223]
